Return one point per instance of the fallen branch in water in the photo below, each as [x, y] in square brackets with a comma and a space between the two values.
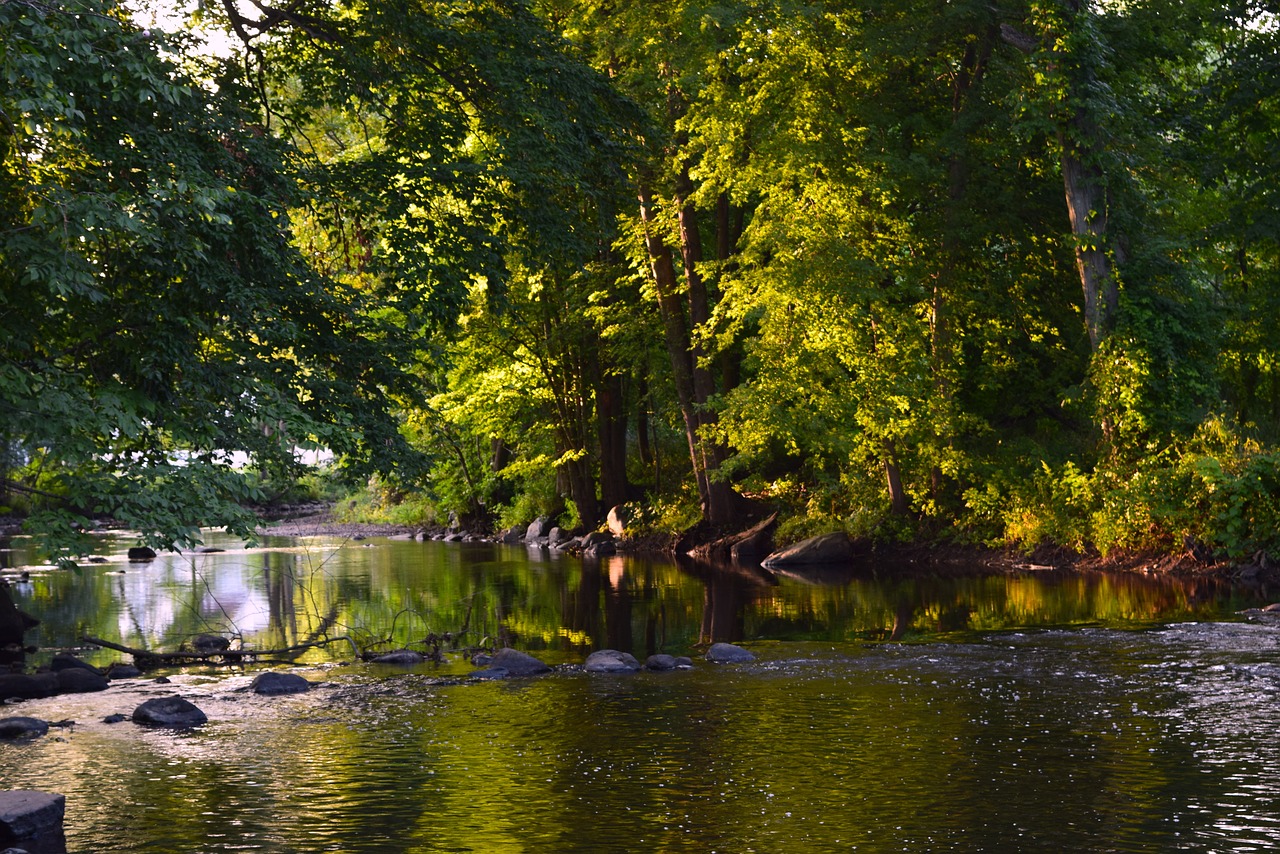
[145, 659]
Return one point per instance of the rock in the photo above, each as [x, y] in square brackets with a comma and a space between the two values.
[517, 663]
[611, 661]
[828, 548]
[598, 544]
[727, 653]
[537, 529]
[752, 547]
[77, 681]
[12, 729]
[19, 686]
[480, 659]
[140, 553]
[207, 644]
[556, 537]
[63, 661]
[490, 673]
[172, 712]
[120, 670]
[400, 656]
[274, 684]
[161, 680]
[453, 538]
[662, 662]
[513, 534]
[210, 550]
[115, 719]
[31, 815]
[618, 519]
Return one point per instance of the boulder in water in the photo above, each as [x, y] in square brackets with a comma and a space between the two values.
[29, 815]
[517, 663]
[73, 680]
[828, 548]
[727, 653]
[611, 661]
[172, 712]
[63, 661]
[662, 662]
[273, 684]
[12, 729]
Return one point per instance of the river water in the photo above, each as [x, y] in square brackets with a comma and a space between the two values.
[886, 710]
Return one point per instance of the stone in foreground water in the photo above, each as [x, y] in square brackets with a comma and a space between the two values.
[26, 814]
[172, 712]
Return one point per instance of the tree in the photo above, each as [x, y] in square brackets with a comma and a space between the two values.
[162, 332]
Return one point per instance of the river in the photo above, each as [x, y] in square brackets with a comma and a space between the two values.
[886, 710]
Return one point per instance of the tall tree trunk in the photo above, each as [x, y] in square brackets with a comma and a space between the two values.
[1087, 206]
[1083, 179]
[675, 331]
[611, 420]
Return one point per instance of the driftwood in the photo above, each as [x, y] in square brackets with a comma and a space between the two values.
[146, 660]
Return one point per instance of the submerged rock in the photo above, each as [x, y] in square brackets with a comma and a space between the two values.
[274, 684]
[663, 662]
[517, 663]
[611, 661]
[29, 815]
[490, 673]
[141, 553]
[12, 729]
[727, 653]
[400, 656]
[173, 712]
[828, 548]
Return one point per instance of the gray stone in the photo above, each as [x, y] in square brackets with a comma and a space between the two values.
[77, 681]
[273, 684]
[123, 671]
[611, 661]
[598, 544]
[537, 529]
[27, 814]
[142, 553]
[828, 548]
[662, 662]
[518, 663]
[514, 534]
[171, 712]
[115, 719]
[727, 653]
[15, 728]
[556, 537]
[401, 656]
[63, 661]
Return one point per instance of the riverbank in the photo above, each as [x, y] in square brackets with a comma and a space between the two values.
[939, 557]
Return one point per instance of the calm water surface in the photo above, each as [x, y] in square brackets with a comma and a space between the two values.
[884, 712]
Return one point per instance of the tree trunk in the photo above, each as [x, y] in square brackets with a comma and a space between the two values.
[611, 421]
[676, 333]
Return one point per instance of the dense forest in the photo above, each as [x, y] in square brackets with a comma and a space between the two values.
[1002, 272]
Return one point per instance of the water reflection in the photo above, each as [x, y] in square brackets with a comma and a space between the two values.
[387, 593]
